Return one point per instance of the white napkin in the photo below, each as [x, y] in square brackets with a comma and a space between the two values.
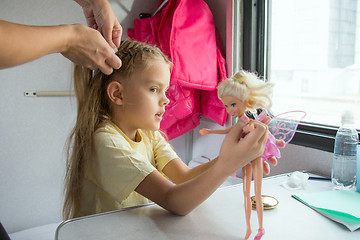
[296, 180]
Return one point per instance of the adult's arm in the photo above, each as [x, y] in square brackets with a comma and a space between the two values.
[82, 45]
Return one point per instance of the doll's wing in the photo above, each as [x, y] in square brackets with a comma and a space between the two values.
[283, 126]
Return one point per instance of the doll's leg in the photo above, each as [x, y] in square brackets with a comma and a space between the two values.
[258, 175]
[246, 174]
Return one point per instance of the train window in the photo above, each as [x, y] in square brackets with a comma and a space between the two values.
[311, 51]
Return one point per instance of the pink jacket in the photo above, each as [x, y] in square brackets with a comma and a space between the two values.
[185, 31]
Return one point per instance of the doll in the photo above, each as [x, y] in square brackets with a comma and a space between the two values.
[245, 91]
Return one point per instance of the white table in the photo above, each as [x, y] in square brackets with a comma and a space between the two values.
[221, 217]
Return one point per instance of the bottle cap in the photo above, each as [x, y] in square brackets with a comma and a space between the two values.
[347, 117]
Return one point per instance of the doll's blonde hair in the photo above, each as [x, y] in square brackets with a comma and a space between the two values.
[247, 86]
[93, 111]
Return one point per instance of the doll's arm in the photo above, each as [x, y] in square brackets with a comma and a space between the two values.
[205, 131]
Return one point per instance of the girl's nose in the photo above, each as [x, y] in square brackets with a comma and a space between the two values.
[165, 101]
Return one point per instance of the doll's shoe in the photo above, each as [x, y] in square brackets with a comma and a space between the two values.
[261, 232]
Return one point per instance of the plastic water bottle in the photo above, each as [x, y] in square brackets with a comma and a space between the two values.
[343, 174]
[358, 169]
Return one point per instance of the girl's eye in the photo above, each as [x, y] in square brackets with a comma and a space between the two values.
[226, 106]
[154, 90]
[233, 104]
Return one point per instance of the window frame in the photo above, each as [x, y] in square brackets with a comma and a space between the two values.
[256, 43]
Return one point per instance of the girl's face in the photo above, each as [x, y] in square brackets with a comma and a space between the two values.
[234, 106]
[144, 98]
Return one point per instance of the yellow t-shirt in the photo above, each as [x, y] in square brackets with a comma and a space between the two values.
[119, 166]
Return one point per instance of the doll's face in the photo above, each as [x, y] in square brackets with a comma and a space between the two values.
[234, 106]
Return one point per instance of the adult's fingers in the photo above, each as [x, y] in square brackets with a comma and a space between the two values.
[108, 35]
[113, 61]
[108, 65]
[116, 35]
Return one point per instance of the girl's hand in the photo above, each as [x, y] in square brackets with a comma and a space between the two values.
[238, 150]
[266, 167]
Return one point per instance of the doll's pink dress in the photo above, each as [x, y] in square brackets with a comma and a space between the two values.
[271, 149]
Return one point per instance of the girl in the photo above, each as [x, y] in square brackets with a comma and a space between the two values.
[118, 156]
[241, 92]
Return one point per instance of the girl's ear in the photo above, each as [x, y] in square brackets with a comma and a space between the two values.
[115, 92]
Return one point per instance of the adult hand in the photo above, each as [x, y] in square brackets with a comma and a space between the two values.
[88, 48]
[100, 16]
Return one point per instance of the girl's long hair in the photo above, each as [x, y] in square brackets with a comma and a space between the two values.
[93, 111]
[247, 86]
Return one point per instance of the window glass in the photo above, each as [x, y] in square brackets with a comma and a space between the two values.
[314, 58]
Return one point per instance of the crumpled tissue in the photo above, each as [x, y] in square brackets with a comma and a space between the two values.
[296, 180]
